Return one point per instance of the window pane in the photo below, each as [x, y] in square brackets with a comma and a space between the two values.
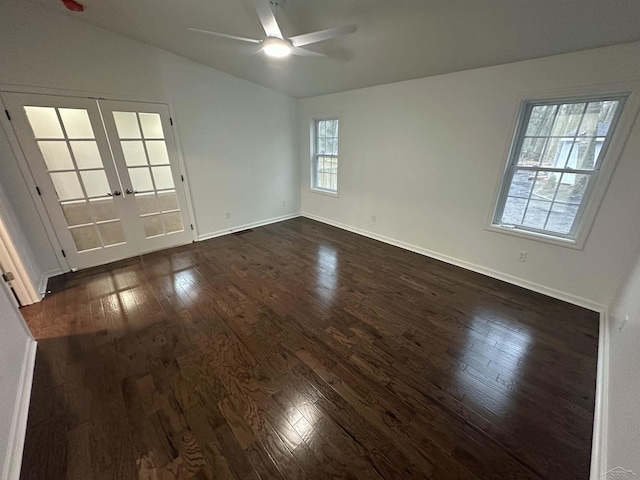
[536, 214]
[95, 183]
[152, 226]
[76, 213]
[572, 187]
[568, 120]
[147, 203]
[85, 238]
[134, 154]
[67, 185]
[56, 155]
[103, 209]
[168, 201]
[157, 152]
[541, 120]
[162, 177]
[141, 179]
[44, 122]
[111, 233]
[562, 217]
[514, 210]
[76, 122]
[172, 222]
[531, 151]
[86, 154]
[127, 124]
[522, 184]
[151, 125]
[598, 118]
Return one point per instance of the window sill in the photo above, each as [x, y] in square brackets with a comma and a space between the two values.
[539, 237]
[328, 193]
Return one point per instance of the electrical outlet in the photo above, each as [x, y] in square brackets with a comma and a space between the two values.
[623, 323]
[227, 214]
[374, 218]
[522, 256]
[284, 203]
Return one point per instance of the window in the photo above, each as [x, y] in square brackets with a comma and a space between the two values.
[558, 151]
[324, 169]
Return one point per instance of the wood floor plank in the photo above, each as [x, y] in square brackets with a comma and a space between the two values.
[301, 351]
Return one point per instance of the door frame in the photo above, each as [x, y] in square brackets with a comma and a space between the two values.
[28, 178]
[10, 261]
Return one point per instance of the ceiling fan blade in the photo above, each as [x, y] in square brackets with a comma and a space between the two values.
[303, 52]
[224, 35]
[322, 35]
[267, 18]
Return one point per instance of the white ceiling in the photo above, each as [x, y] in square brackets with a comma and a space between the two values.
[396, 39]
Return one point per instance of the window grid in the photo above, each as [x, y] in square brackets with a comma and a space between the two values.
[562, 172]
[325, 156]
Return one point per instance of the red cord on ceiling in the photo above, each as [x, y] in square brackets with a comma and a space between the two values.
[73, 5]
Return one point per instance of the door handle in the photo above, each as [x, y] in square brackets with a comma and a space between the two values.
[117, 193]
[128, 191]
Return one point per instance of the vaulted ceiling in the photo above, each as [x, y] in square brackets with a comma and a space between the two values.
[396, 39]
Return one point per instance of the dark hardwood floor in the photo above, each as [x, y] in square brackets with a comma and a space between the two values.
[299, 350]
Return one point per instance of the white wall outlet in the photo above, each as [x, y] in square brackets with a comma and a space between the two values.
[227, 214]
[374, 218]
[623, 323]
[522, 256]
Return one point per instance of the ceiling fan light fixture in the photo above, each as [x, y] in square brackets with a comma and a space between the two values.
[276, 47]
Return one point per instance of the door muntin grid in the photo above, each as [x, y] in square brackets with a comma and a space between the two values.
[145, 153]
[67, 142]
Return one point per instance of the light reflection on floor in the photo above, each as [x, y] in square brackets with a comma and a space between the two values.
[327, 274]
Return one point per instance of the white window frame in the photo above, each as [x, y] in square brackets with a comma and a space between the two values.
[314, 156]
[629, 95]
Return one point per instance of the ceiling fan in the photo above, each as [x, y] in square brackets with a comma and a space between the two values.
[275, 44]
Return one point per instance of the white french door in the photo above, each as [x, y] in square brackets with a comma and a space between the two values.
[107, 172]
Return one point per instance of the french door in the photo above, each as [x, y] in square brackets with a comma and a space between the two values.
[107, 172]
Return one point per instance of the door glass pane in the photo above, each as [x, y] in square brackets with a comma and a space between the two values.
[168, 201]
[151, 125]
[67, 185]
[85, 238]
[162, 177]
[76, 122]
[172, 222]
[103, 209]
[76, 213]
[44, 122]
[56, 155]
[157, 152]
[147, 203]
[141, 179]
[134, 154]
[127, 124]
[95, 183]
[152, 226]
[111, 233]
[86, 154]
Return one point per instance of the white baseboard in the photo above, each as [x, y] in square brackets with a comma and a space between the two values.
[520, 282]
[44, 279]
[17, 435]
[600, 416]
[238, 228]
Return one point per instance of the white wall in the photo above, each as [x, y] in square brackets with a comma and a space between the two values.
[426, 157]
[16, 367]
[623, 442]
[238, 139]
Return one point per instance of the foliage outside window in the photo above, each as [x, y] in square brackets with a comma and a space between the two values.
[325, 155]
[557, 154]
